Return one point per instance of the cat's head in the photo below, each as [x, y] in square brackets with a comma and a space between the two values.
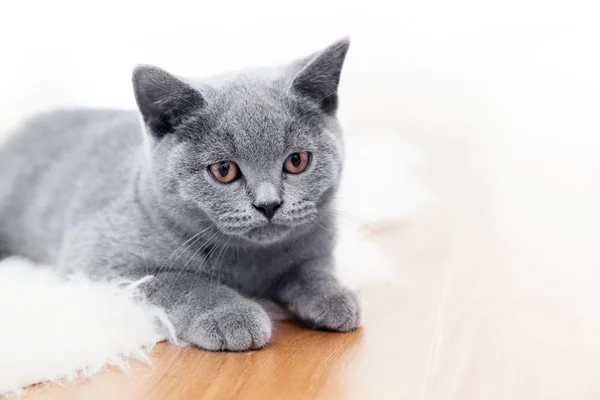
[259, 154]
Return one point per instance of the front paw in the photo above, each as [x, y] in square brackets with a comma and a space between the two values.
[338, 311]
[237, 327]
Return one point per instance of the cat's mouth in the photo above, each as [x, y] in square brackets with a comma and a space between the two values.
[267, 233]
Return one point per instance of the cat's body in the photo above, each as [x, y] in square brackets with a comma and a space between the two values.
[90, 190]
[81, 149]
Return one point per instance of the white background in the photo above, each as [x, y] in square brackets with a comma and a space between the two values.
[523, 76]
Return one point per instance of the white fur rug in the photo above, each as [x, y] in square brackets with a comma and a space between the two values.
[54, 328]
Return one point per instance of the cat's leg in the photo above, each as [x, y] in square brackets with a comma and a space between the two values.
[210, 315]
[312, 293]
[203, 312]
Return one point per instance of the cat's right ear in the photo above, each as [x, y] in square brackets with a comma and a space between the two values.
[163, 99]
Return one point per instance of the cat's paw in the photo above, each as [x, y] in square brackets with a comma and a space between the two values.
[238, 327]
[339, 311]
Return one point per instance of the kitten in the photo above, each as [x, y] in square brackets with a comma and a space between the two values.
[223, 190]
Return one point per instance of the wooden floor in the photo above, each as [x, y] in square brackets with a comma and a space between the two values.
[493, 303]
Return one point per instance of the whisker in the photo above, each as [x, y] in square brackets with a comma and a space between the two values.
[215, 265]
[193, 238]
[236, 249]
[348, 214]
[203, 246]
[341, 221]
[332, 232]
[206, 260]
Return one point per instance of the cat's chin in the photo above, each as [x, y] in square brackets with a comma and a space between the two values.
[267, 234]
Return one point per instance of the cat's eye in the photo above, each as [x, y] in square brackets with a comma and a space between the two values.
[224, 171]
[296, 162]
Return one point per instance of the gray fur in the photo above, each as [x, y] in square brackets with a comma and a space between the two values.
[106, 193]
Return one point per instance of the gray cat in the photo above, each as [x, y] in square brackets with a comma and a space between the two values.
[223, 191]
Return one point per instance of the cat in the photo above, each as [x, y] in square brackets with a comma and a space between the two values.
[223, 190]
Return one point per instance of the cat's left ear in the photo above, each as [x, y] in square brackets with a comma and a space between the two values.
[163, 99]
[319, 77]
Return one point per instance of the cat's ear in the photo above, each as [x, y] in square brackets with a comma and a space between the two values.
[319, 75]
[163, 99]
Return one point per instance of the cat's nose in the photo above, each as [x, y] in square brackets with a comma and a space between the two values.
[268, 209]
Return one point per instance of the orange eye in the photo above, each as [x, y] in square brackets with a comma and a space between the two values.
[224, 171]
[297, 162]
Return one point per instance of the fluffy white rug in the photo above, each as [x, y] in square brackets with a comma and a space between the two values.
[55, 328]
